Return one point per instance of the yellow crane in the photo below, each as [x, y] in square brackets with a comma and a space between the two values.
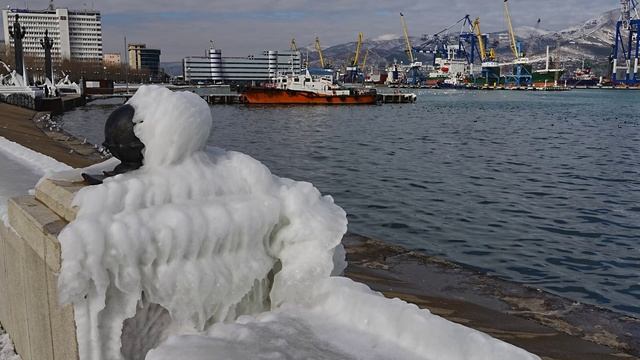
[293, 45]
[364, 61]
[358, 46]
[476, 30]
[319, 49]
[409, 50]
[512, 35]
[481, 44]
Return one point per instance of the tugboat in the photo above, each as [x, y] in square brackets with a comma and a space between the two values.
[307, 89]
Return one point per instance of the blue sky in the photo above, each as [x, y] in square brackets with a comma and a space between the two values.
[241, 27]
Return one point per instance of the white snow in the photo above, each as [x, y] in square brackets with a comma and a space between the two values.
[20, 170]
[244, 262]
[36, 161]
[386, 37]
[7, 351]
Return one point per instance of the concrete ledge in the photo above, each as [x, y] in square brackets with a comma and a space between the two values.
[15, 321]
[58, 196]
[38, 226]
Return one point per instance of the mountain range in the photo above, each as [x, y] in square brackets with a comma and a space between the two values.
[591, 41]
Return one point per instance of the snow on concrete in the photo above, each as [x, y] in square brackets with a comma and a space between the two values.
[36, 161]
[244, 262]
[20, 170]
[6, 347]
[15, 179]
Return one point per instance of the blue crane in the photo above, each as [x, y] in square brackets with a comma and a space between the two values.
[626, 47]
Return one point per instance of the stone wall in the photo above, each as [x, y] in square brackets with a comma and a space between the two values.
[41, 329]
[22, 100]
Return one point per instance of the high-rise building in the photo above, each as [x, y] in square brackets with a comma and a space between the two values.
[76, 34]
[216, 68]
[142, 58]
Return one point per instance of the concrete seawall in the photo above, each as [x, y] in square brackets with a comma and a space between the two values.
[548, 325]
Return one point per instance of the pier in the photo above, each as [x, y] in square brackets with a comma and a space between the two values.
[224, 99]
[235, 98]
[396, 98]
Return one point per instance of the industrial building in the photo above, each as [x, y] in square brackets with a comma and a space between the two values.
[76, 34]
[218, 69]
[142, 58]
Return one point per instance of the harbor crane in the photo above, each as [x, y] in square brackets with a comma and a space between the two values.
[522, 69]
[319, 49]
[414, 73]
[352, 75]
[482, 43]
[626, 49]
[409, 49]
[364, 60]
[490, 72]
[440, 47]
[357, 54]
[515, 48]
[476, 30]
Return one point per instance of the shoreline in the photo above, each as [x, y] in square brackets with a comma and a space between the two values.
[548, 325]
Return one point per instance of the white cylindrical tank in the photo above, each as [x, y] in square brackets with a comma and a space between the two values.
[272, 63]
[215, 58]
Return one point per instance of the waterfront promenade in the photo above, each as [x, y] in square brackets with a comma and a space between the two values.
[549, 326]
[21, 126]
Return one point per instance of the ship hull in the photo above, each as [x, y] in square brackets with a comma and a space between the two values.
[279, 96]
[547, 78]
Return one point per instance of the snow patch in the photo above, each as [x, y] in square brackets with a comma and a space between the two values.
[386, 37]
[21, 169]
[242, 261]
[39, 163]
[7, 351]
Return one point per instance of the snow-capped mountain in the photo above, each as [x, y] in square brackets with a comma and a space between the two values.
[590, 40]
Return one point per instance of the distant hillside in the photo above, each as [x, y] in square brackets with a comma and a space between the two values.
[173, 68]
[590, 40]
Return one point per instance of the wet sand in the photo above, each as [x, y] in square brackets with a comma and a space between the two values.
[545, 324]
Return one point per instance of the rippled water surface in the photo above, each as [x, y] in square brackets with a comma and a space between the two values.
[541, 188]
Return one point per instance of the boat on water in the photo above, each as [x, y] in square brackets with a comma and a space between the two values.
[308, 89]
[450, 72]
[583, 77]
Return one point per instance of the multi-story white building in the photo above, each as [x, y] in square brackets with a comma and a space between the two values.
[76, 34]
[215, 68]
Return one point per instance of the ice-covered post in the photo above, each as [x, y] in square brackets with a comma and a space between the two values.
[18, 33]
[47, 44]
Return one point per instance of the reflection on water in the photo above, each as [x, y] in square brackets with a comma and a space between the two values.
[542, 188]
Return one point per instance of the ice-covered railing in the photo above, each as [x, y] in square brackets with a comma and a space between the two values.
[241, 260]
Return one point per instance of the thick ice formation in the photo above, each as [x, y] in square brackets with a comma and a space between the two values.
[211, 236]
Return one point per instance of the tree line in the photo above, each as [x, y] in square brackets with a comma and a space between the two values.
[79, 69]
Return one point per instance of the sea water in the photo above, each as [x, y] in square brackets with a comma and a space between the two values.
[540, 188]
